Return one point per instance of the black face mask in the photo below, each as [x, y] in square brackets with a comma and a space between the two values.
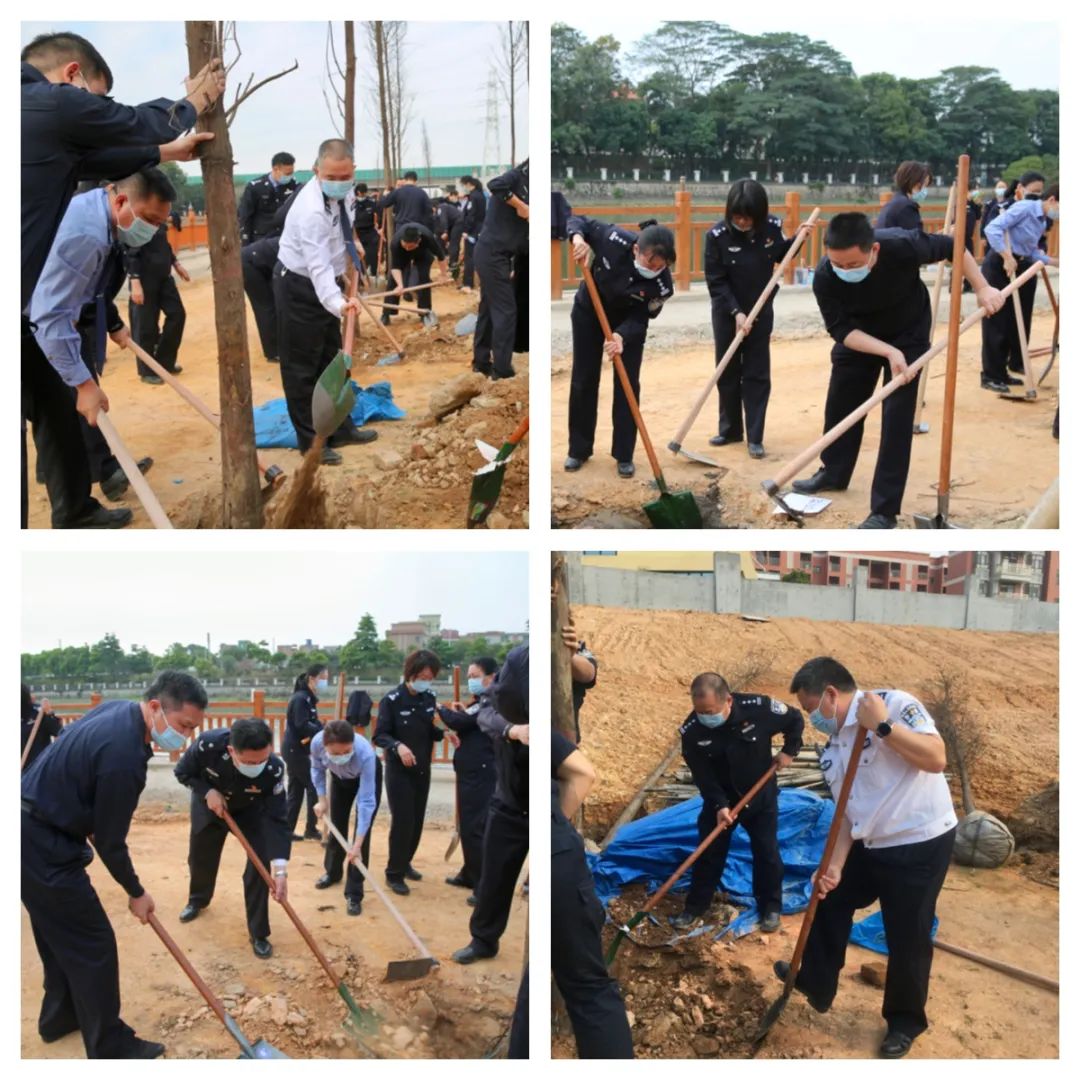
[1033, 196]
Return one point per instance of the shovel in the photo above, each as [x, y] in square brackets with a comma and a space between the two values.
[674, 509]
[777, 1007]
[41, 716]
[1030, 393]
[676, 446]
[455, 840]
[396, 970]
[1057, 323]
[359, 1021]
[488, 479]
[333, 398]
[624, 931]
[272, 474]
[259, 1049]
[146, 495]
[399, 353]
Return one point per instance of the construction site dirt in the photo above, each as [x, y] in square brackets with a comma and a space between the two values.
[454, 1012]
[416, 475]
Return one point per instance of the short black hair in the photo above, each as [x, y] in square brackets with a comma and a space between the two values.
[410, 175]
[250, 734]
[338, 731]
[851, 229]
[177, 689]
[282, 158]
[910, 173]
[146, 184]
[416, 661]
[410, 233]
[708, 682]
[1030, 177]
[28, 710]
[338, 149]
[470, 181]
[361, 188]
[48, 51]
[450, 189]
[820, 672]
[487, 664]
[309, 673]
[747, 198]
[657, 240]
[1051, 192]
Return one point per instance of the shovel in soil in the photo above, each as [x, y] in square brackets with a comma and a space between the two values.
[488, 480]
[399, 352]
[260, 1049]
[396, 970]
[777, 1007]
[333, 398]
[638, 916]
[359, 1022]
[674, 509]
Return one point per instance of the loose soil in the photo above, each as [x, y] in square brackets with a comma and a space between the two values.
[453, 1012]
[372, 488]
[989, 490]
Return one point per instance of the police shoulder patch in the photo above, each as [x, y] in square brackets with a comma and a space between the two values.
[279, 788]
[777, 707]
[687, 725]
[913, 715]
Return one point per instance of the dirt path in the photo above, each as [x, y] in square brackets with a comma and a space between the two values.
[454, 1012]
[1004, 457]
[704, 999]
[365, 491]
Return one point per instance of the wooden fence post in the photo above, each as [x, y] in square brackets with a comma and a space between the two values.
[95, 699]
[792, 202]
[683, 237]
[556, 269]
[258, 704]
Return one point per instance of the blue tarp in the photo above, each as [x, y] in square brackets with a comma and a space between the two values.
[274, 428]
[870, 933]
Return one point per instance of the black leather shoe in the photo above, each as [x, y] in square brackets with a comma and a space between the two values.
[471, 900]
[262, 948]
[355, 435]
[895, 1045]
[878, 521]
[1012, 380]
[330, 456]
[625, 469]
[191, 911]
[496, 374]
[818, 482]
[273, 360]
[781, 969]
[471, 953]
[296, 838]
[312, 834]
[686, 919]
[484, 369]
[770, 923]
[385, 319]
[458, 881]
[100, 518]
[398, 887]
[414, 875]
[755, 450]
[152, 380]
[326, 881]
[724, 440]
[352, 907]
[994, 385]
[572, 464]
[144, 1050]
[115, 484]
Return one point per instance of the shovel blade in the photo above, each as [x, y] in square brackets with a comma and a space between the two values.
[405, 970]
[455, 840]
[674, 510]
[262, 1049]
[701, 459]
[484, 495]
[770, 1017]
[333, 398]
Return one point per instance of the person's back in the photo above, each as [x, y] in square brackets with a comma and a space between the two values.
[411, 204]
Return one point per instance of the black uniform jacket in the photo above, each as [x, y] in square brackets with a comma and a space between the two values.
[410, 719]
[727, 761]
[410, 203]
[738, 265]
[900, 212]
[206, 765]
[476, 751]
[629, 299]
[428, 242]
[302, 723]
[259, 206]
[891, 303]
[504, 230]
[364, 214]
[473, 212]
[48, 730]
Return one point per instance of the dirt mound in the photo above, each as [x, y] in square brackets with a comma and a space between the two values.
[1034, 823]
[647, 659]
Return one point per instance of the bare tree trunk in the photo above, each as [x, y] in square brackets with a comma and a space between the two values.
[350, 83]
[562, 694]
[241, 504]
[384, 112]
[514, 61]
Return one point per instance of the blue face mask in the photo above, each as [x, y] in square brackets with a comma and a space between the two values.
[340, 759]
[999, 193]
[823, 723]
[1053, 213]
[137, 234]
[250, 771]
[475, 686]
[170, 739]
[322, 684]
[711, 720]
[645, 272]
[336, 189]
[919, 196]
[851, 276]
[420, 685]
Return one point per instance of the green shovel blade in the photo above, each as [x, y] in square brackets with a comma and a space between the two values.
[333, 398]
[675, 510]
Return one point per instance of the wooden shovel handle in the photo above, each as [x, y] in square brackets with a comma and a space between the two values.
[1049, 289]
[1029, 381]
[339, 701]
[33, 735]
[457, 682]
[415, 288]
[378, 322]
[624, 379]
[146, 495]
[519, 432]
[189, 971]
[350, 317]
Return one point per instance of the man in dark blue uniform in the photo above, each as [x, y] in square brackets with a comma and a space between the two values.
[410, 203]
[49, 728]
[263, 197]
[235, 769]
[877, 310]
[366, 229]
[413, 251]
[448, 219]
[502, 261]
[87, 784]
[153, 295]
[727, 744]
[473, 214]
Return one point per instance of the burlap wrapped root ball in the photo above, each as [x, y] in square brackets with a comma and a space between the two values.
[982, 841]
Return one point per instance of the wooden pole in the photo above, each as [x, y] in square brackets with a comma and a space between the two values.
[1029, 378]
[562, 693]
[350, 82]
[241, 501]
[683, 237]
[145, 493]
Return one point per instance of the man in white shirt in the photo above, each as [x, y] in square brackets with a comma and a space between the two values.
[315, 250]
[894, 845]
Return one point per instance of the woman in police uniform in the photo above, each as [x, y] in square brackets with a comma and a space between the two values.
[302, 724]
[912, 182]
[633, 277]
[741, 253]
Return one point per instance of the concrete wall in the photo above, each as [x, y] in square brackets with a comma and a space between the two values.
[727, 591]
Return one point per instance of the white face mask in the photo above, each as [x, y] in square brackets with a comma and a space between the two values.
[645, 272]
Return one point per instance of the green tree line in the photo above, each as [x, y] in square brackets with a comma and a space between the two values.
[706, 95]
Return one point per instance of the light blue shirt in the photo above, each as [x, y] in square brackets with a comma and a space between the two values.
[70, 279]
[361, 765]
[1026, 223]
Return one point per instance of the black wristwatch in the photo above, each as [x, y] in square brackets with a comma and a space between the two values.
[884, 729]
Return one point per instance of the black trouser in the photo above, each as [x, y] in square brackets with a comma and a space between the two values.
[309, 337]
[415, 270]
[906, 880]
[208, 836]
[588, 341]
[298, 768]
[1001, 350]
[475, 788]
[407, 793]
[369, 241]
[759, 824]
[745, 383]
[496, 319]
[48, 404]
[75, 942]
[454, 243]
[99, 455]
[519, 1026]
[854, 378]
[506, 846]
[342, 794]
[467, 261]
[521, 299]
[591, 995]
[259, 286]
[160, 297]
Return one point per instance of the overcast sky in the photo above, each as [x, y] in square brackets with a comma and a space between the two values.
[912, 44]
[446, 71]
[283, 597]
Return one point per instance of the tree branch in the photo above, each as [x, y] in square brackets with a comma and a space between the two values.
[241, 98]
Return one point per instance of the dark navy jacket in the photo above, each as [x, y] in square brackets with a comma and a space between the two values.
[900, 212]
[504, 231]
[302, 724]
[364, 215]
[473, 212]
[738, 265]
[476, 752]
[429, 244]
[410, 719]
[410, 203]
[259, 206]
